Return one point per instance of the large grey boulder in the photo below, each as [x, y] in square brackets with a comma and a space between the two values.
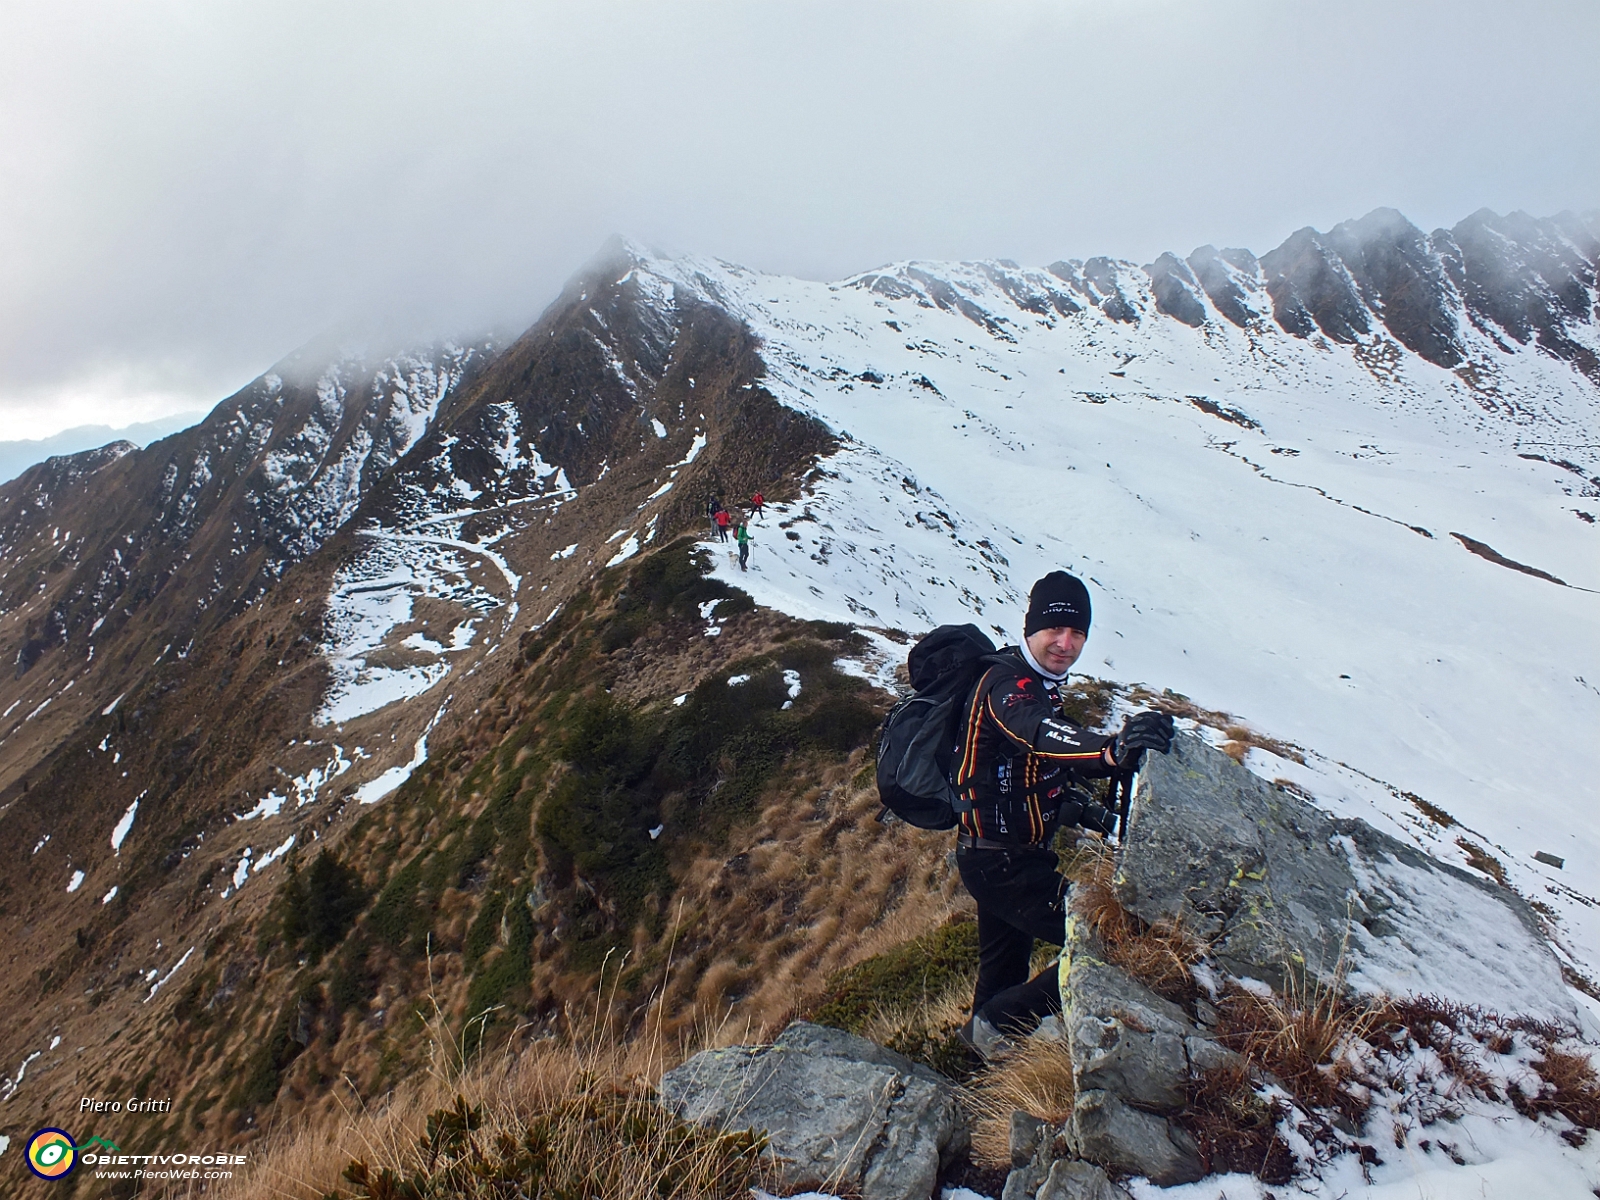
[1279, 887]
[1276, 889]
[840, 1112]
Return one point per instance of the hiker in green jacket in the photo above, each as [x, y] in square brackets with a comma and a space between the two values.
[743, 538]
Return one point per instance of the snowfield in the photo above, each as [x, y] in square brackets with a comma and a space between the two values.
[1268, 524]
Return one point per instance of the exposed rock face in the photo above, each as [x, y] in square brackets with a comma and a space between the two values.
[1228, 278]
[1311, 289]
[1273, 883]
[1533, 279]
[1047, 1178]
[1402, 279]
[840, 1112]
[1103, 276]
[1133, 1055]
[1176, 289]
[1276, 888]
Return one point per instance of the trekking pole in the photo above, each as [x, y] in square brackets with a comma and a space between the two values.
[1124, 785]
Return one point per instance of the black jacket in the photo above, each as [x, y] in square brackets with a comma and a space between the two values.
[1019, 754]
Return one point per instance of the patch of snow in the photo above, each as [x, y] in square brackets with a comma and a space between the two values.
[677, 700]
[272, 856]
[628, 550]
[176, 967]
[120, 831]
[241, 871]
[1481, 955]
[695, 447]
[376, 789]
[661, 430]
[269, 805]
[736, 680]
[109, 896]
[41, 843]
[421, 641]
[75, 882]
[567, 553]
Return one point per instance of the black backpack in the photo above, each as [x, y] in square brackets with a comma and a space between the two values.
[916, 746]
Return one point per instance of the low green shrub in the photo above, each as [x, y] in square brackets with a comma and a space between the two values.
[913, 973]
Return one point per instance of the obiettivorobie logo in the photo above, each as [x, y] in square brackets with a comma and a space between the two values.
[52, 1154]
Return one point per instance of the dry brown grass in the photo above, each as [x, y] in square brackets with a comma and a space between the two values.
[1302, 1037]
[1572, 1087]
[1160, 956]
[814, 885]
[573, 1116]
[1035, 1078]
[1236, 1128]
[1480, 859]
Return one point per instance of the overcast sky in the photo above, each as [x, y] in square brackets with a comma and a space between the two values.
[190, 190]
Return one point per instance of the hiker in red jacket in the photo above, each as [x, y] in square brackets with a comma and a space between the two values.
[757, 505]
[723, 521]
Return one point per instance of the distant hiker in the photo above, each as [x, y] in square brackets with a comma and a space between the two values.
[743, 538]
[758, 506]
[1014, 771]
[723, 520]
[713, 506]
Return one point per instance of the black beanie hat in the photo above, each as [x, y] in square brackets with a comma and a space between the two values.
[1057, 599]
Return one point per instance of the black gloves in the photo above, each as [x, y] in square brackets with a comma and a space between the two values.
[1141, 732]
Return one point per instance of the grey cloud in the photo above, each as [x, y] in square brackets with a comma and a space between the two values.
[191, 190]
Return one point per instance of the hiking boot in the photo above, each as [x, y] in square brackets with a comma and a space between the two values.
[983, 1039]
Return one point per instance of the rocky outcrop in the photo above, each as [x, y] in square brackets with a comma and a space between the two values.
[1274, 885]
[1133, 1057]
[1228, 277]
[1176, 289]
[839, 1111]
[1533, 280]
[1311, 289]
[1276, 890]
[1402, 280]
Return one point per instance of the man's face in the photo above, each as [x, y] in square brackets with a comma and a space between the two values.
[1057, 649]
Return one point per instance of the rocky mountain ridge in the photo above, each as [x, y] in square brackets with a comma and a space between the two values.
[228, 646]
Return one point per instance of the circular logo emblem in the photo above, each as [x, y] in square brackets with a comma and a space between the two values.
[51, 1154]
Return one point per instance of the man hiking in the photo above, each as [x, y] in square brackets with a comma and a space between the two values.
[758, 505]
[743, 538]
[723, 519]
[1015, 767]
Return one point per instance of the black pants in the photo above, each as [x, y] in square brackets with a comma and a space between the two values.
[744, 554]
[1020, 898]
[722, 532]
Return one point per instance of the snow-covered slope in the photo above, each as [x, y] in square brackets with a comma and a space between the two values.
[1283, 527]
